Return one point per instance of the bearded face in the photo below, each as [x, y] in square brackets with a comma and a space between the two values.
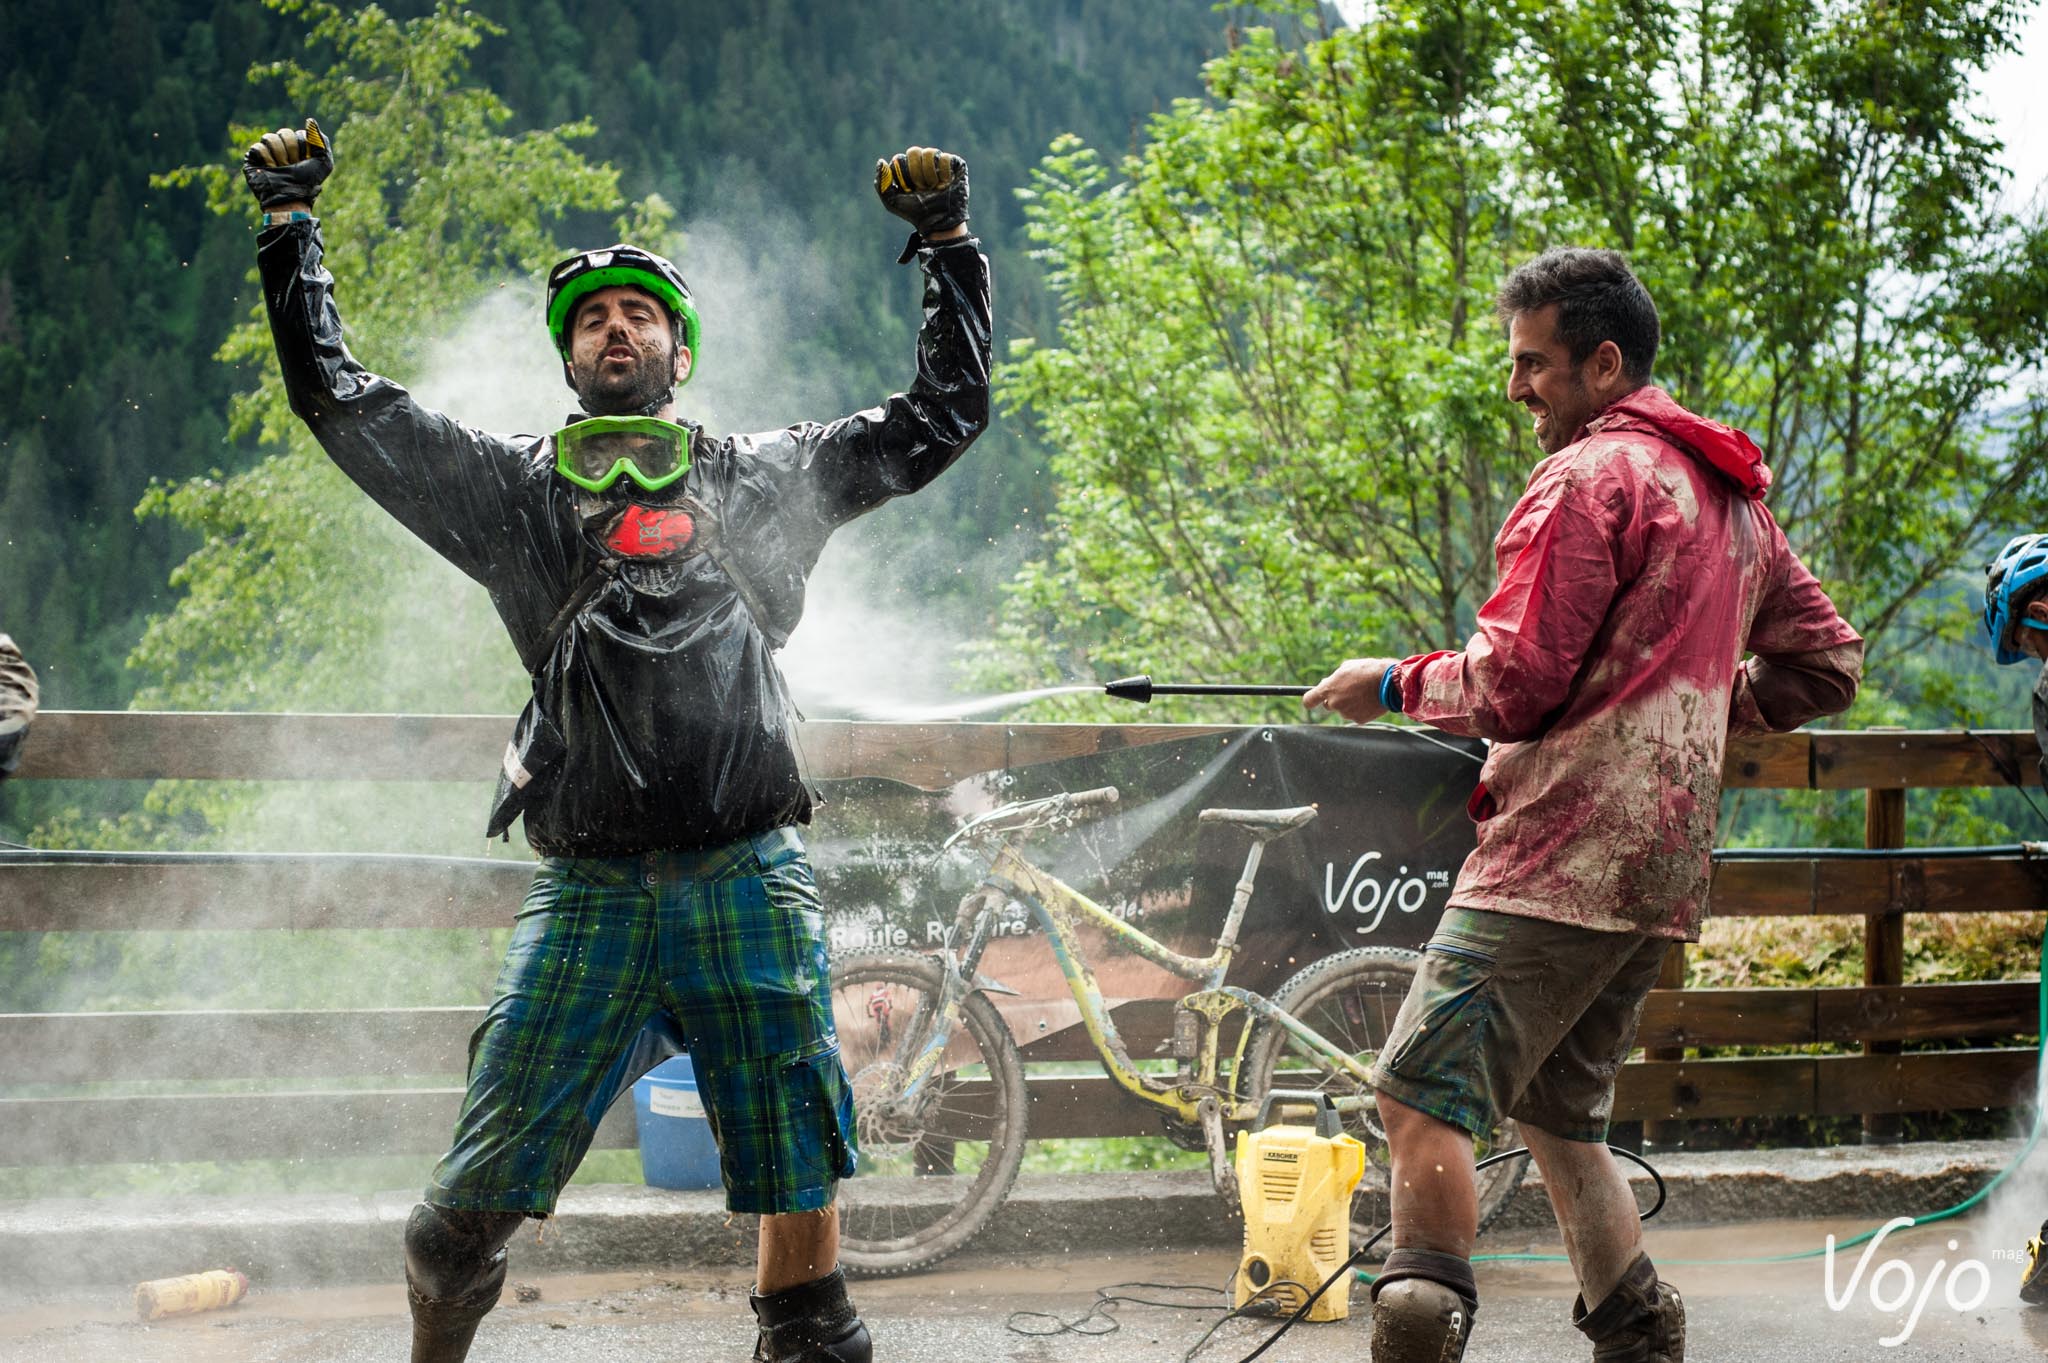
[623, 353]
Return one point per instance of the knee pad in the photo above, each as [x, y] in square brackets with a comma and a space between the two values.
[812, 1322]
[456, 1255]
[1422, 1308]
[1641, 1321]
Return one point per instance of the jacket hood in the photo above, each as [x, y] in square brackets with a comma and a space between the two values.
[1728, 451]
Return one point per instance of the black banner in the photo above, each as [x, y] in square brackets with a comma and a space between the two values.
[1374, 868]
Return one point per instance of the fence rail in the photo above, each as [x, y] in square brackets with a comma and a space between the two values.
[423, 1048]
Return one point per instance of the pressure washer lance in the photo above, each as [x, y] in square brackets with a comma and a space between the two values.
[1142, 688]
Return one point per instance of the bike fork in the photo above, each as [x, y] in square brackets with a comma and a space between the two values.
[945, 1022]
[1210, 1113]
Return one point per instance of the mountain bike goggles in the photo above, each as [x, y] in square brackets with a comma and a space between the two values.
[594, 452]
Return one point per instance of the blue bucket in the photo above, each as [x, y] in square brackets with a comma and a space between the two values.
[676, 1146]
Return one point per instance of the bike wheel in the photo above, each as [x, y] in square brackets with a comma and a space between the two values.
[1350, 999]
[926, 1183]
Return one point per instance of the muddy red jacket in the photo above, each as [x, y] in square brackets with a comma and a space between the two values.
[1636, 571]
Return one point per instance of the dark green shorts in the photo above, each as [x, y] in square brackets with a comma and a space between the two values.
[722, 951]
[1522, 1017]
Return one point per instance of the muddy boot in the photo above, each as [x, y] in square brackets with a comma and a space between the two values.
[1422, 1307]
[454, 1273]
[442, 1327]
[812, 1322]
[2034, 1277]
[1641, 1321]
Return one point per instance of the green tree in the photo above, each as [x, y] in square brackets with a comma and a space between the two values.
[286, 600]
[1817, 213]
[1275, 394]
[1274, 401]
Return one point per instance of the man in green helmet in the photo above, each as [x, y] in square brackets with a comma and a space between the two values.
[647, 571]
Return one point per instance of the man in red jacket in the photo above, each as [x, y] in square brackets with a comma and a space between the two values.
[1638, 568]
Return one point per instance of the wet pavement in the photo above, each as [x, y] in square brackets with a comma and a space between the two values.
[962, 1311]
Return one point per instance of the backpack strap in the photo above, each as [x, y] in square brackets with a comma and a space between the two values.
[602, 570]
[712, 543]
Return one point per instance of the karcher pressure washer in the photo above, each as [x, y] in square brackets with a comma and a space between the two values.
[1296, 1184]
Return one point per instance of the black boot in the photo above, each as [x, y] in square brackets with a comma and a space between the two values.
[442, 1327]
[454, 1271]
[812, 1322]
[1641, 1321]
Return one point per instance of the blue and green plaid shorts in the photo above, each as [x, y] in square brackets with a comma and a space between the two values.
[721, 950]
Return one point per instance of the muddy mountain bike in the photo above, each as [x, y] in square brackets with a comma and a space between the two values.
[938, 1082]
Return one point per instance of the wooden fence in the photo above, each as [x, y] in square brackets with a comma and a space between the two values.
[120, 892]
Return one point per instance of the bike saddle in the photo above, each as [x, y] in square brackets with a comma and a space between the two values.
[1262, 823]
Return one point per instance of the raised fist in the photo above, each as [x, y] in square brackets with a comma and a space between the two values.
[288, 166]
[925, 187]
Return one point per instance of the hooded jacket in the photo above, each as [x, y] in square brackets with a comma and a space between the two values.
[659, 720]
[1637, 569]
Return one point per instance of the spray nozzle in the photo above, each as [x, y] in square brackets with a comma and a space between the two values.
[1142, 688]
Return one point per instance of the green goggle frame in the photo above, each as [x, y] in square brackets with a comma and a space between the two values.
[594, 452]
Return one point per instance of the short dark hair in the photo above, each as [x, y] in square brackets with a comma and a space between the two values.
[1598, 299]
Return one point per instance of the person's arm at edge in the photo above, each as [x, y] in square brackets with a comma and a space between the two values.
[18, 697]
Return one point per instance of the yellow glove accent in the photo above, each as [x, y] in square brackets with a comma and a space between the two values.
[288, 146]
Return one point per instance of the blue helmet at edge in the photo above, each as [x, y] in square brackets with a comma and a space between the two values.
[2007, 579]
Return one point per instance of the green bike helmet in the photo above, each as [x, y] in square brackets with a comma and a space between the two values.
[588, 271]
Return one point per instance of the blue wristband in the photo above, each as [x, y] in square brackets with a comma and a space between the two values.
[1390, 689]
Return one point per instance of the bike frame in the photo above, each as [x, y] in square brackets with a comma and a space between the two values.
[1058, 908]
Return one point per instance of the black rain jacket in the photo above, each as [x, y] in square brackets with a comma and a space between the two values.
[659, 720]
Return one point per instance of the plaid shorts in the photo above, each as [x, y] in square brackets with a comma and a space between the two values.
[1520, 1017]
[616, 962]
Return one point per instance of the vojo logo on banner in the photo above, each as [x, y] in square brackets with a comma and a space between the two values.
[1368, 892]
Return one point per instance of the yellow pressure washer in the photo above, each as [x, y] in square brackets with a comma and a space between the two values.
[1296, 1184]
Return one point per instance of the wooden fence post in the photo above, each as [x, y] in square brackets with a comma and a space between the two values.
[1667, 1134]
[1884, 941]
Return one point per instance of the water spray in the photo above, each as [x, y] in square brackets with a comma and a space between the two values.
[1142, 688]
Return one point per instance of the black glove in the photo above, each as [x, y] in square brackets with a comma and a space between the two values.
[925, 187]
[288, 166]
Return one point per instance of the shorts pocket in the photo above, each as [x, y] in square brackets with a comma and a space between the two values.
[777, 849]
[820, 1103]
[790, 887]
[1452, 1011]
[785, 1127]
